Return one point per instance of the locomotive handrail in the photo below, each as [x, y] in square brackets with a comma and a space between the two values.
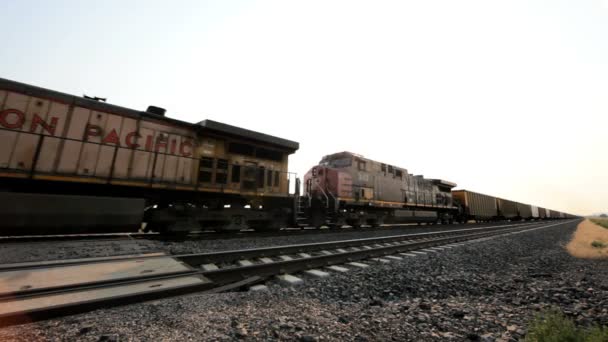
[324, 194]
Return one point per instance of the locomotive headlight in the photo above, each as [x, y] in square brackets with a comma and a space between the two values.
[226, 206]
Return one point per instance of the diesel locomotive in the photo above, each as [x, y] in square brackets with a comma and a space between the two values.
[348, 189]
[73, 164]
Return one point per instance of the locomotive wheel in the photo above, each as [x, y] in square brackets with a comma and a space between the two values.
[355, 223]
[269, 226]
[340, 222]
[156, 227]
[375, 223]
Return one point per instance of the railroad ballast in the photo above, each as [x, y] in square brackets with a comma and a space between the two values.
[190, 176]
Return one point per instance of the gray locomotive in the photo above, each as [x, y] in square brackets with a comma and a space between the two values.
[348, 189]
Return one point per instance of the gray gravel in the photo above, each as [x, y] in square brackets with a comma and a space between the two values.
[481, 291]
[56, 250]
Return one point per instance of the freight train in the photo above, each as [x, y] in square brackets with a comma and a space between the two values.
[71, 164]
[348, 189]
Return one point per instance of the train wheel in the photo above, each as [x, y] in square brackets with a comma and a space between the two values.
[157, 227]
[338, 224]
[355, 223]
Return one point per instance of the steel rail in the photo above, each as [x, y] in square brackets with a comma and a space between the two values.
[195, 260]
[210, 235]
[236, 270]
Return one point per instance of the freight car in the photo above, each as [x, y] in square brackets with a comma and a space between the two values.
[475, 206]
[535, 213]
[524, 211]
[70, 163]
[507, 210]
[348, 189]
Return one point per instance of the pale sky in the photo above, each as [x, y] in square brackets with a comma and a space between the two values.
[508, 98]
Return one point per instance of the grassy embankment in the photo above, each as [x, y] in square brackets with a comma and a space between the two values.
[553, 326]
[590, 241]
[601, 222]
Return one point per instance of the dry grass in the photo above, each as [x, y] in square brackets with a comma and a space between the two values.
[553, 326]
[601, 222]
[590, 241]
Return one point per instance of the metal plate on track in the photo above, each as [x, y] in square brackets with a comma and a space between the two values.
[43, 278]
[22, 306]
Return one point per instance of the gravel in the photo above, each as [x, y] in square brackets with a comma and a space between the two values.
[483, 291]
[57, 250]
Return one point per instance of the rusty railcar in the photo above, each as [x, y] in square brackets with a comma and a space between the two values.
[524, 211]
[476, 206]
[507, 209]
[186, 175]
[348, 189]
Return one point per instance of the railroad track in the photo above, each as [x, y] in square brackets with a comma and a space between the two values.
[210, 235]
[35, 291]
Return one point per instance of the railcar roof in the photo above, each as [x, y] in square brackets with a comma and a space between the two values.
[82, 102]
[242, 132]
[31, 90]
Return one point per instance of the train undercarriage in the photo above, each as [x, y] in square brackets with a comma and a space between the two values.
[39, 209]
[316, 212]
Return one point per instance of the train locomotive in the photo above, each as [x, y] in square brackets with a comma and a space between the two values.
[348, 189]
[71, 164]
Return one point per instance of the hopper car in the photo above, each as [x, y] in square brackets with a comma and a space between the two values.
[71, 164]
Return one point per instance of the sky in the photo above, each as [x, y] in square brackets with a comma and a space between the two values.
[508, 98]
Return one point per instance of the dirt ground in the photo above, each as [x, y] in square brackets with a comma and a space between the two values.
[581, 244]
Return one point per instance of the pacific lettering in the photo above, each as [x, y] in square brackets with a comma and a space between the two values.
[15, 119]
[186, 144]
[129, 140]
[161, 141]
[112, 138]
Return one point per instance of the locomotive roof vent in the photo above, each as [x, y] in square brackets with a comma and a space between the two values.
[156, 110]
